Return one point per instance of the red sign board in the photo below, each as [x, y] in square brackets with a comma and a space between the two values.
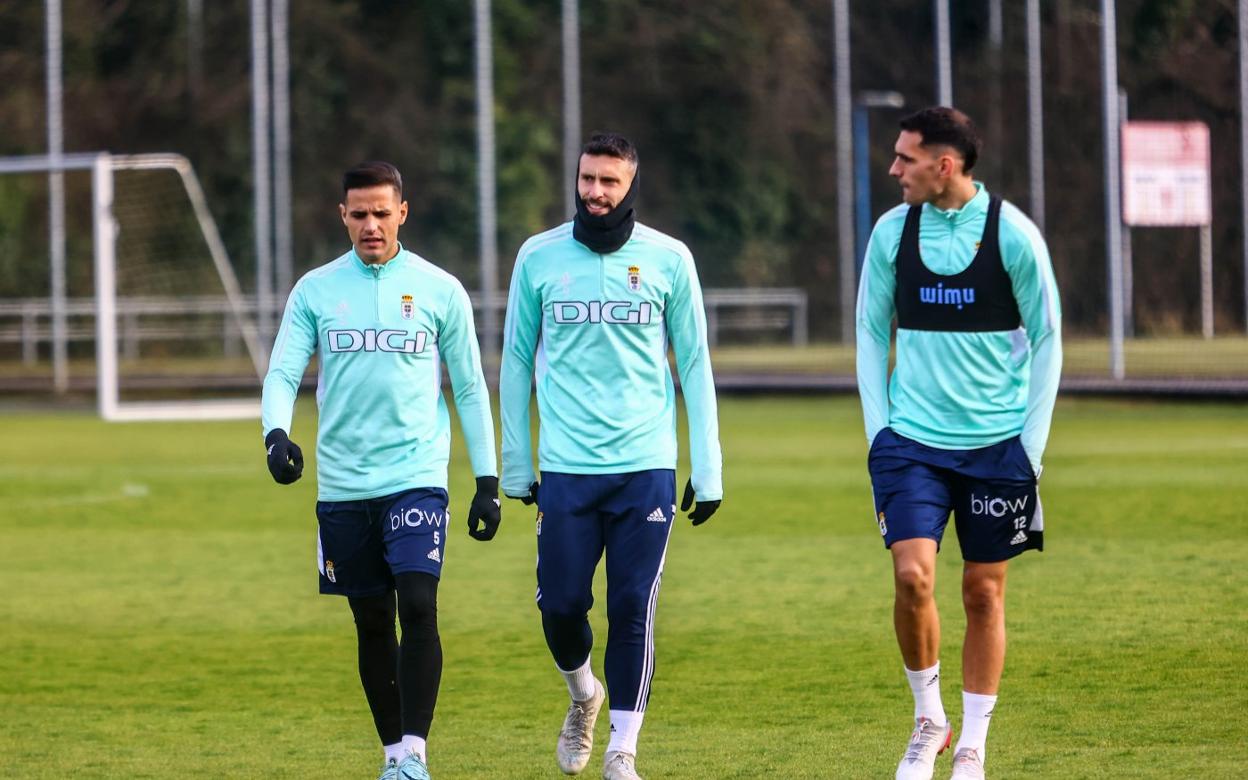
[1165, 174]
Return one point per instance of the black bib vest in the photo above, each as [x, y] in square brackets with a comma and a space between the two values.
[978, 298]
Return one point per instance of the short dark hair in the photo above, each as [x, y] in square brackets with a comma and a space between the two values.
[944, 126]
[611, 145]
[371, 174]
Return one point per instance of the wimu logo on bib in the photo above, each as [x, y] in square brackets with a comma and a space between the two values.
[947, 296]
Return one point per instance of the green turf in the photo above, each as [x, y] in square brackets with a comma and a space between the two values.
[159, 615]
[1145, 358]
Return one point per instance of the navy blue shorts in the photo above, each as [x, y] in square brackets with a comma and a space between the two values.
[991, 492]
[361, 545]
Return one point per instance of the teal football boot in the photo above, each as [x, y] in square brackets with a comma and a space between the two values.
[412, 768]
[389, 770]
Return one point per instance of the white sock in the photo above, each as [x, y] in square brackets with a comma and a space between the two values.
[625, 726]
[976, 714]
[580, 682]
[925, 685]
[394, 751]
[415, 744]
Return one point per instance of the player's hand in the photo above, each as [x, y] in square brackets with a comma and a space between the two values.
[285, 457]
[530, 499]
[702, 510]
[486, 512]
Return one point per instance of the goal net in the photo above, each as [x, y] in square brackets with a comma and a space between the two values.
[170, 332]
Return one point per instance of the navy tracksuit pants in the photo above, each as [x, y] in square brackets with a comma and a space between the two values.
[629, 516]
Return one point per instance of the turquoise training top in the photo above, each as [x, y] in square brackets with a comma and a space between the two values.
[961, 390]
[595, 331]
[381, 334]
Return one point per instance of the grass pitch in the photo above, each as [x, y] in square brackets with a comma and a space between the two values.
[160, 617]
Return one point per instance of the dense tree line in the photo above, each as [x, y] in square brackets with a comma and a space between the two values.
[730, 102]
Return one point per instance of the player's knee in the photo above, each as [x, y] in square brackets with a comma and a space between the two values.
[418, 599]
[570, 606]
[632, 607]
[564, 618]
[374, 616]
[914, 582]
[983, 598]
[560, 626]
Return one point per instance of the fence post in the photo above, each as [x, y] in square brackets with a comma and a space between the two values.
[1206, 281]
[800, 323]
[229, 336]
[130, 335]
[30, 335]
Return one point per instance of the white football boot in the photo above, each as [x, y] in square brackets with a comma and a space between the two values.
[576, 739]
[927, 742]
[967, 765]
[620, 766]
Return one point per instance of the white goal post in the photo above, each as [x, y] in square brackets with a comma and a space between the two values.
[102, 167]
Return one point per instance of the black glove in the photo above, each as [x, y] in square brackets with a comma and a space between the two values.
[530, 499]
[702, 511]
[485, 513]
[285, 457]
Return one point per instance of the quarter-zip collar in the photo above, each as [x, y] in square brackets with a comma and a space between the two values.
[379, 270]
[974, 208]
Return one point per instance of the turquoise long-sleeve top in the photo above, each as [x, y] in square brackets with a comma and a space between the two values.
[594, 329]
[957, 390]
[381, 334]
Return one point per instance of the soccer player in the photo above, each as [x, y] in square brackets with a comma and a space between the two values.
[962, 423]
[382, 322]
[593, 305]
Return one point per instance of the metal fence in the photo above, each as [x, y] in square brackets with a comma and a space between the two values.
[154, 333]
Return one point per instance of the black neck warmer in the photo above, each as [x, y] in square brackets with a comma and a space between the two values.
[611, 231]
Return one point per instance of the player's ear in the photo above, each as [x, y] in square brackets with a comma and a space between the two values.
[342, 212]
[630, 173]
[402, 212]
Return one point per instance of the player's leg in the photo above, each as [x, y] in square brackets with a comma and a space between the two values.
[983, 653]
[351, 561]
[997, 518]
[913, 499]
[569, 546]
[917, 625]
[414, 527]
[378, 656]
[640, 513]
[983, 659]
[916, 620]
[420, 658]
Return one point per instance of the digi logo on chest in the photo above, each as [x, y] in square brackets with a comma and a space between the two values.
[610, 312]
[370, 340]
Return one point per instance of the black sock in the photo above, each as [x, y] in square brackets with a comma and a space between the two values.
[420, 652]
[378, 660]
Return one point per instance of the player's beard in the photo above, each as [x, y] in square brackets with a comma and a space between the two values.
[607, 233]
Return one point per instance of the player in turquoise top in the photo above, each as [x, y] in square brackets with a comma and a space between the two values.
[382, 322]
[961, 424]
[593, 306]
